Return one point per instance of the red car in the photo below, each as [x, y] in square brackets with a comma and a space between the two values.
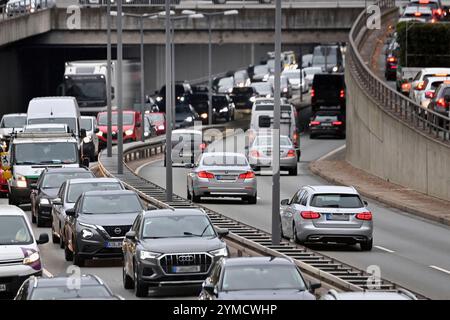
[158, 120]
[132, 127]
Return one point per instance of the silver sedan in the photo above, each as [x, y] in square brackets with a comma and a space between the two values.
[260, 154]
[222, 174]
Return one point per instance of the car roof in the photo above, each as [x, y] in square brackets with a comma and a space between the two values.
[64, 170]
[332, 189]
[175, 212]
[61, 281]
[8, 210]
[372, 295]
[7, 115]
[88, 180]
[249, 261]
[435, 70]
[213, 154]
[108, 192]
[186, 131]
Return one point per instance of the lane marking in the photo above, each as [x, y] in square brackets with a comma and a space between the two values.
[259, 198]
[146, 164]
[47, 273]
[440, 269]
[329, 154]
[384, 249]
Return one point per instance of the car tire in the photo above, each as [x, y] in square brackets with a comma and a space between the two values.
[61, 241]
[68, 255]
[293, 171]
[55, 238]
[295, 238]
[128, 282]
[252, 199]
[39, 222]
[140, 289]
[188, 194]
[78, 260]
[281, 230]
[367, 246]
[33, 217]
[219, 1]
[195, 198]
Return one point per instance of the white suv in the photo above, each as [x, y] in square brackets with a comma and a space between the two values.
[19, 252]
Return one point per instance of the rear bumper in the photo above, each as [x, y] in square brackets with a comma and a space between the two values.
[310, 233]
[267, 162]
[225, 189]
[20, 195]
[327, 131]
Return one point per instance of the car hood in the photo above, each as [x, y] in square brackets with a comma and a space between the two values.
[115, 128]
[16, 252]
[288, 294]
[50, 193]
[182, 245]
[182, 116]
[114, 219]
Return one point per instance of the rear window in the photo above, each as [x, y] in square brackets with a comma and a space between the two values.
[269, 107]
[326, 118]
[224, 160]
[243, 90]
[328, 80]
[334, 200]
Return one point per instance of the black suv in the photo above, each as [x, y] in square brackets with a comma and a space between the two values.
[97, 225]
[223, 107]
[183, 93]
[199, 100]
[328, 92]
[46, 189]
[243, 97]
[327, 123]
[171, 248]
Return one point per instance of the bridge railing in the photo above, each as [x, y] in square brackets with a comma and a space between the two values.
[424, 119]
[24, 7]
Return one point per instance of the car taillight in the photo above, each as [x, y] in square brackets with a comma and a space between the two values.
[439, 12]
[392, 59]
[420, 85]
[393, 66]
[255, 153]
[342, 93]
[313, 92]
[247, 175]
[441, 103]
[337, 123]
[310, 215]
[364, 216]
[202, 146]
[429, 94]
[205, 174]
[314, 123]
[417, 14]
[291, 153]
[406, 86]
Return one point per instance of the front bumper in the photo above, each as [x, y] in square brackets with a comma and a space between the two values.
[14, 275]
[96, 248]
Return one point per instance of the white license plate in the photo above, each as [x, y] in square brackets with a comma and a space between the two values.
[326, 124]
[2, 287]
[186, 155]
[225, 177]
[114, 244]
[186, 269]
[337, 217]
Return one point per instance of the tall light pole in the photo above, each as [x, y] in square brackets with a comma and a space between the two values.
[108, 81]
[276, 236]
[169, 180]
[119, 90]
[141, 24]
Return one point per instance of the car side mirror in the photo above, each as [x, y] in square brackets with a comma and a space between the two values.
[70, 212]
[131, 235]
[33, 186]
[313, 286]
[57, 202]
[82, 133]
[222, 232]
[365, 203]
[96, 130]
[210, 288]
[43, 238]
[285, 202]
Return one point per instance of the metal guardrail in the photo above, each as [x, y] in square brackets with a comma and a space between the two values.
[24, 7]
[428, 121]
[317, 265]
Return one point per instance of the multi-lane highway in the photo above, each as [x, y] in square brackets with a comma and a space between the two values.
[410, 251]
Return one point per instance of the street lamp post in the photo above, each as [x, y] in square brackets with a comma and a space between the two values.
[119, 90]
[108, 81]
[141, 24]
[169, 180]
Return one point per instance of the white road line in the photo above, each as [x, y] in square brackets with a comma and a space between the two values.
[440, 269]
[384, 249]
[329, 154]
[146, 164]
[47, 273]
[258, 198]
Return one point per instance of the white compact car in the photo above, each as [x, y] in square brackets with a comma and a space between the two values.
[19, 252]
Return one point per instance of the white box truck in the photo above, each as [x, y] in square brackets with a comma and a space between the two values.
[86, 81]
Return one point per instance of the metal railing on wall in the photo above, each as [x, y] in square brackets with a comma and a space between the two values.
[424, 119]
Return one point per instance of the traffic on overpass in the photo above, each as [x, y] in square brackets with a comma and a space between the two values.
[189, 150]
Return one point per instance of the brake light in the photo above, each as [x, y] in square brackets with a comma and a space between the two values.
[420, 86]
[205, 175]
[337, 123]
[342, 93]
[406, 86]
[364, 216]
[441, 103]
[424, 1]
[429, 94]
[291, 154]
[247, 175]
[295, 137]
[202, 146]
[310, 215]
[314, 123]
[433, 20]
[392, 59]
[313, 93]
[255, 154]
[417, 14]
[439, 11]
[441, 75]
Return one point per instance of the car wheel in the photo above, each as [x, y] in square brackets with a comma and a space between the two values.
[68, 255]
[127, 280]
[293, 171]
[252, 199]
[295, 238]
[281, 230]
[78, 260]
[367, 246]
[39, 221]
[219, 1]
[188, 194]
[140, 289]
[33, 217]
[61, 241]
[195, 198]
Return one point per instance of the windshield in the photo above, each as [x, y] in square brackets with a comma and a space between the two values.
[86, 89]
[114, 203]
[45, 153]
[267, 141]
[55, 180]
[86, 124]
[262, 88]
[128, 119]
[156, 117]
[70, 122]
[226, 82]
[14, 231]
[261, 69]
[179, 91]
[324, 54]
[326, 118]
[13, 122]
[63, 292]
[45, 129]
[177, 227]
[76, 189]
[224, 160]
[336, 201]
[263, 277]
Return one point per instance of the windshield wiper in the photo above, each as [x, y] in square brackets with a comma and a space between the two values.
[196, 235]
[50, 161]
[24, 162]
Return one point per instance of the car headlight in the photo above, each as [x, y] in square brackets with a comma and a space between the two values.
[159, 99]
[21, 182]
[189, 119]
[32, 258]
[285, 89]
[266, 77]
[268, 96]
[44, 201]
[129, 132]
[1, 136]
[161, 127]
[87, 139]
[230, 90]
[146, 133]
[181, 98]
[223, 252]
[224, 109]
[335, 69]
[86, 234]
[252, 99]
[204, 115]
[149, 255]
[100, 133]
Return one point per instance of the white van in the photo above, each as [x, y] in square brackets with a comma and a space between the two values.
[262, 121]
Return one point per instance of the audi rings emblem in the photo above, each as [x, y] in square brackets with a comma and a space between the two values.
[117, 231]
[186, 258]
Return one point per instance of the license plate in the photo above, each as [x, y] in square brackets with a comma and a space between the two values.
[337, 217]
[114, 244]
[2, 287]
[186, 269]
[326, 124]
[226, 177]
[186, 155]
